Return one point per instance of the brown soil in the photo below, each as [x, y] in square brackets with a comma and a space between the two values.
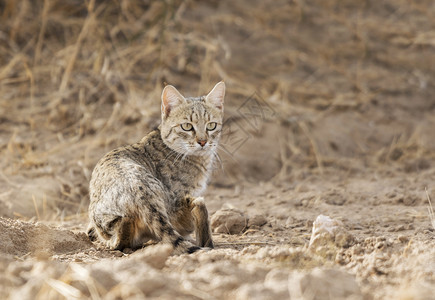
[330, 111]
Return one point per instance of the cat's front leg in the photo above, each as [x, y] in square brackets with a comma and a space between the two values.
[201, 223]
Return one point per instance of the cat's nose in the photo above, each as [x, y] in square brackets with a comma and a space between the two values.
[202, 142]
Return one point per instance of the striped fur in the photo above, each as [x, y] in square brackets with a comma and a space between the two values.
[151, 190]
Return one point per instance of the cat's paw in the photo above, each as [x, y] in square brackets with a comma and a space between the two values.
[205, 249]
[181, 246]
[193, 249]
[198, 201]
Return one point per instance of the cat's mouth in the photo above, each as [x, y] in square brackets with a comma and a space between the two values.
[202, 150]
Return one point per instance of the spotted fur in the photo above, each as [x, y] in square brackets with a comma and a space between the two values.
[151, 190]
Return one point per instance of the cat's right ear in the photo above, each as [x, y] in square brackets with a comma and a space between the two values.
[216, 96]
[171, 98]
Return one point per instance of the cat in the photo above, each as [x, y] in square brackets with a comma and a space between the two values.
[151, 190]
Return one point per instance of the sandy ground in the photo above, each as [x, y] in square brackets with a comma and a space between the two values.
[379, 245]
[327, 160]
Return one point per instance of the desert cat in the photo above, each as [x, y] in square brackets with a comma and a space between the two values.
[151, 189]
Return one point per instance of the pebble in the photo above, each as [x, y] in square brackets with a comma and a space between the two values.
[257, 220]
[328, 231]
[403, 238]
[229, 221]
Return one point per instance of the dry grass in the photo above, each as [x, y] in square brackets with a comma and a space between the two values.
[430, 210]
[78, 78]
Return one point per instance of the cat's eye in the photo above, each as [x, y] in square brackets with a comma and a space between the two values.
[211, 126]
[186, 126]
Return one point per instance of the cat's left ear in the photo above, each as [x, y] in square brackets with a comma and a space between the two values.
[216, 96]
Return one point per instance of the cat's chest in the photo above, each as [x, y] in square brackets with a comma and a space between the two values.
[187, 179]
[199, 188]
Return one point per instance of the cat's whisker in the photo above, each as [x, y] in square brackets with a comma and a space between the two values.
[176, 150]
[177, 157]
[181, 154]
[171, 154]
[219, 160]
[184, 156]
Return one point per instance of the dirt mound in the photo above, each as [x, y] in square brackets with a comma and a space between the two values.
[36, 239]
[254, 273]
[219, 274]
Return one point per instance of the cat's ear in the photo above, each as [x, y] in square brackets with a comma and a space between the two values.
[216, 96]
[171, 98]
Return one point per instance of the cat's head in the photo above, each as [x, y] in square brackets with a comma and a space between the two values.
[192, 125]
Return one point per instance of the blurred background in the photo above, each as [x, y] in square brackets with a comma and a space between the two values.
[314, 88]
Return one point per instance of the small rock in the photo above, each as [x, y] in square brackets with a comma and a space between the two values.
[229, 221]
[302, 188]
[257, 220]
[335, 198]
[403, 238]
[391, 195]
[328, 233]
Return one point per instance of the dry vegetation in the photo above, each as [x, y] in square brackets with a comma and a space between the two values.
[345, 127]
